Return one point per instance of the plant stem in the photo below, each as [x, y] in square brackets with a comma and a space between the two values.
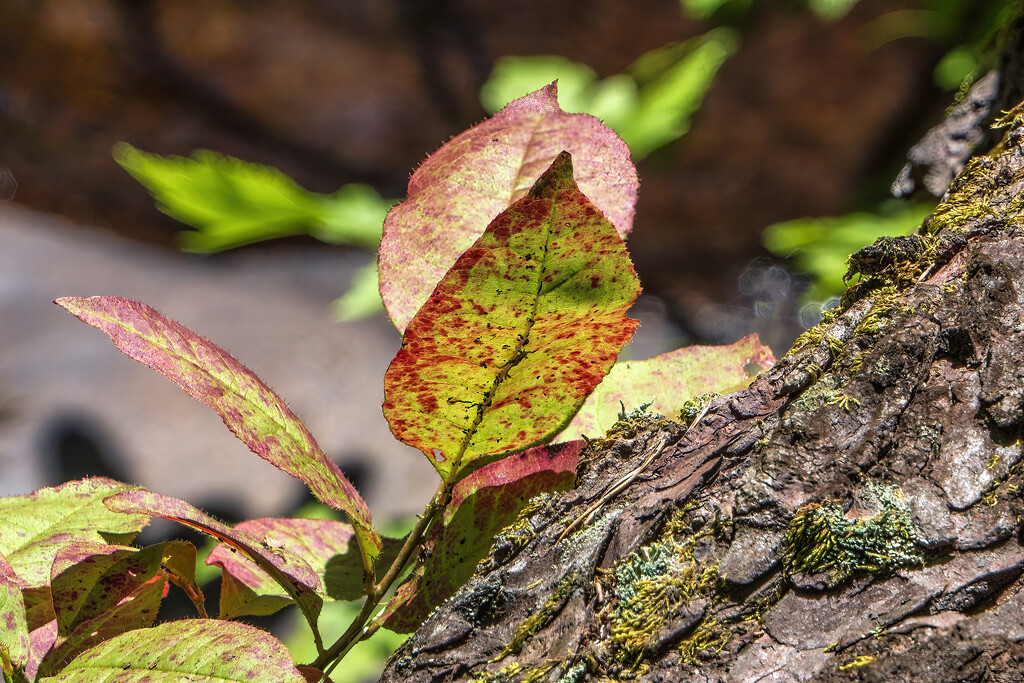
[355, 631]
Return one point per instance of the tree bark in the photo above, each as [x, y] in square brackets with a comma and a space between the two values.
[854, 515]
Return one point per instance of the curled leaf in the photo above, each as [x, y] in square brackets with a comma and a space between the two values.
[462, 186]
[256, 415]
[297, 579]
[517, 333]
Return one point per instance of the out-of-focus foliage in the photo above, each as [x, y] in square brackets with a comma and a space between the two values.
[231, 202]
[820, 246]
[648, 106]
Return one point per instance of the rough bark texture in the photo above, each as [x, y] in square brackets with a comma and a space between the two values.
[854, 515]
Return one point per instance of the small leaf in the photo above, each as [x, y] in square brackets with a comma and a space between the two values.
[232, 202]
[482, 504]
[293, 574]
[248, 407]
[460, 188]
[196, 650]
[517, 333]
[13, 622]
[38, 525]
[668, 381]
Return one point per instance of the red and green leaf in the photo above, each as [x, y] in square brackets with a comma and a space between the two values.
[482, 504]
[201, 651]
[322, 543]
[13, 622]
[138, 610]
[517, 333]
[256, 415]
[668, 381]
[35, 527]
[461, 187]
[291, 573]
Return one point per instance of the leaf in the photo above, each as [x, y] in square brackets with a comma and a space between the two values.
[362, 299]
[232, 202]
[324, 544]
[668, 381]
[248, 407]
[36, 526]
[90, 579]
[482, 504]
[517, 333]
[13, 623]
[294, 575]
[460, 188]
[196, 650]
[138, 610]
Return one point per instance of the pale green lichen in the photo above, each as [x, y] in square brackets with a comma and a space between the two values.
[822, 538]
[652, 585]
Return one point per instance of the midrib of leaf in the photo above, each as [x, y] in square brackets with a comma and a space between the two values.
[518, 355]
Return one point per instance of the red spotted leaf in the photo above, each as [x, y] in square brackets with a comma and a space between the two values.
[196, 650]
[668, 381]
[297, 579]
[462, 186]
[482, 504]
[517, 333]
[137, 610]
[255, 414]
[36, 526]
[13, 622]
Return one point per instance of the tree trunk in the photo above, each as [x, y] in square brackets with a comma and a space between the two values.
[853, 515]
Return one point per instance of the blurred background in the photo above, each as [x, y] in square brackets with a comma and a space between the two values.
[766, 135]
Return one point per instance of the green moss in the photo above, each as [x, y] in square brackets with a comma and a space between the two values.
[533, 624]
[652, 585]
[857, 662]
[631, 422]
[821, 538]
[710, 634]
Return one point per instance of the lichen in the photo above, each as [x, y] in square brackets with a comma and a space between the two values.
[822, 538]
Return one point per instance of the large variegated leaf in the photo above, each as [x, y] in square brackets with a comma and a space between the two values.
[517, 333]
[257, 416]
[36, 526]
[462, 186]
[668, 381]
[200, 651]
[482, 504]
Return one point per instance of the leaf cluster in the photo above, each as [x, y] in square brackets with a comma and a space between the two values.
[511, 285]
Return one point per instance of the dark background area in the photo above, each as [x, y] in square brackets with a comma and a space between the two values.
[808, 118]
